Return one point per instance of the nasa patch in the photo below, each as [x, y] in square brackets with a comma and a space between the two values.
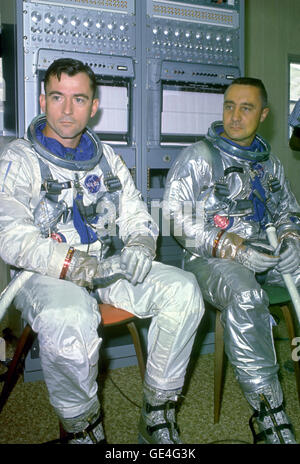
[92, 183]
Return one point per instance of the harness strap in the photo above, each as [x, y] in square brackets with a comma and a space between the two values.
[257, 437]
[161, 407]
[217, 165]
[164, 425]
[53, 188]
[69, 435]
[87, 431]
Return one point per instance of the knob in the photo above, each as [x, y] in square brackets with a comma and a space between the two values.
[87, 22]
[62, 20]
[111, 25]
[49, 18]
[36, 16]
[75, 21]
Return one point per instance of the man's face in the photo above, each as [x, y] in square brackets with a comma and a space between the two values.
[68, 105]
[242, 113]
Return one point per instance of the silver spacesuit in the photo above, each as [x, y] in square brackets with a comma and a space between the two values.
[37, 233]
[219, 197]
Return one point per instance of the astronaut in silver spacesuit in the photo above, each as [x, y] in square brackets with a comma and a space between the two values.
[64, 194]
[221, 194]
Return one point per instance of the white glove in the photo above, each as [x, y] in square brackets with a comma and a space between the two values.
[289, 258]
[254, 260]
[136, 262]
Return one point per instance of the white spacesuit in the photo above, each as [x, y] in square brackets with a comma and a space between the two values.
[56, 219]
[220, 198]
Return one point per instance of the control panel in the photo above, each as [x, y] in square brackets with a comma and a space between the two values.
[89, 26]
[197, 33]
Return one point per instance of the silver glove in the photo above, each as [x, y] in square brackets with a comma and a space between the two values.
[86, 271]
[254, 260]
[82, 269]
[289, 258]
[109, 270]
[136, 262]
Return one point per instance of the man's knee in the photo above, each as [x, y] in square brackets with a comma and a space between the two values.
[186, 288]
[247, 309]
[55, 317]
[68, 332]
[185, 302]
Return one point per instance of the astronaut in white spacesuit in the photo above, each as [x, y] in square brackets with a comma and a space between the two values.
[63, 195]
[221, 194]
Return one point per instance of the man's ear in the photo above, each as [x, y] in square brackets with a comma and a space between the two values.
[264, 114]
[43, 102]
[95, 106]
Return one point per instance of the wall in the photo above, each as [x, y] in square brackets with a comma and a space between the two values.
[272, 32]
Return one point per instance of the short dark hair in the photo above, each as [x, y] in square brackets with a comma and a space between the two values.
[70, 67]
[255, 83]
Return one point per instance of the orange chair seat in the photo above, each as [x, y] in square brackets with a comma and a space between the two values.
[113, 316]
